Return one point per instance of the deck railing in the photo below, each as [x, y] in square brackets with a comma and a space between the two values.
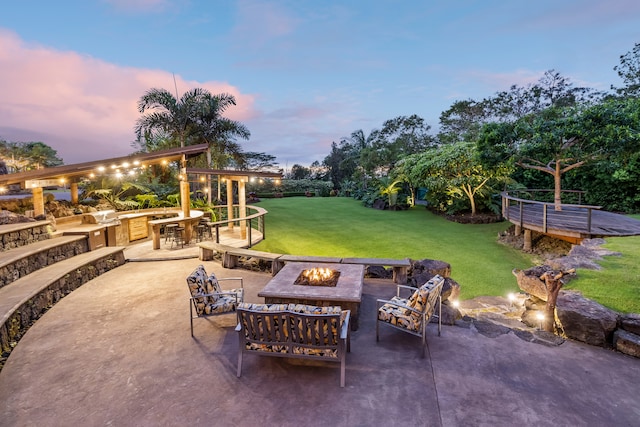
[575, 216]
[254, 220]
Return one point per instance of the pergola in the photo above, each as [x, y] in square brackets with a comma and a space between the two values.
[242, 177]
[36, 180]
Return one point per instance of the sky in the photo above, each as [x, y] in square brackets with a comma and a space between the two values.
[305, 73]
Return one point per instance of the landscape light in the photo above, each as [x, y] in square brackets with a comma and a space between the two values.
[540, 317]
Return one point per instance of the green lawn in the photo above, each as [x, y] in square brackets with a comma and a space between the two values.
[342, 227]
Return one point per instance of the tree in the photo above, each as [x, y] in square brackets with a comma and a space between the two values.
[551, 90]
[24, 156]
[340, 163]
[629, 72]
[398, 137]
[408, 171]
[218, 131]
[462, 121]
[258, 161]
[456, 169]
[300, 172]
[164, 116]
[40, 155]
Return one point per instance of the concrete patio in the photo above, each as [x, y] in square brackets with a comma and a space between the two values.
[118, 352]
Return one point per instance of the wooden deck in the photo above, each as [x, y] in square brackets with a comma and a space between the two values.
[574, 222]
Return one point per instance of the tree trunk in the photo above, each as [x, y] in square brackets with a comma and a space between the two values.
[553, 283]
[557, 194]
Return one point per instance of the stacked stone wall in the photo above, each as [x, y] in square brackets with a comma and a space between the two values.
[26, 236]
[19, 322]
[22, 267]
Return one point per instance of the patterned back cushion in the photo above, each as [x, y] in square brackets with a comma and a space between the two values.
[197, 281]
[423, 299]
[212, 284]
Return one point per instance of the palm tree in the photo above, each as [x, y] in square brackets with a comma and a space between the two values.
[168, 116]
[196, 117]
[217, 131]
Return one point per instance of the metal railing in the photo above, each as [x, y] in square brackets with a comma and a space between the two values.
[253, 221]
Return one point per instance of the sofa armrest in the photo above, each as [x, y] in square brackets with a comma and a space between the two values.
[381, 302]
[344, 331]
[400, 287]
[233, 278]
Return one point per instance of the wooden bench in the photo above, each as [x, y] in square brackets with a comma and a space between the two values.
[230, 255]
[400, 266]
[295, 331]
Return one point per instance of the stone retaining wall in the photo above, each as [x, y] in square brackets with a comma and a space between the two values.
[20, 321]
[31, 233]
[24, 266]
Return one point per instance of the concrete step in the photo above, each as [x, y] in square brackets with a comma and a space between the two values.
[16, 294]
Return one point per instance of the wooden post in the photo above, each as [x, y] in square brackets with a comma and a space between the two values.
[229, 202]
[527, 240]
[74, 193]
[38, 201]
[242, 201]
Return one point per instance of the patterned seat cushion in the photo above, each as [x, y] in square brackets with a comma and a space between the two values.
[223, 304]
[399, 316]
[422, 300]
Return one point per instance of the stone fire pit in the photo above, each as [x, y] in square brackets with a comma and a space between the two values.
[318, 276]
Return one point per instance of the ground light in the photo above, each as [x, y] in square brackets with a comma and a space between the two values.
[540, 317]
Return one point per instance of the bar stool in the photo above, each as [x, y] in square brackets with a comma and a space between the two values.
[169, 231]
[201, 231]
[178, 236]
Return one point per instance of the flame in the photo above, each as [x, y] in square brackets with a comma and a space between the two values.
[318, 274]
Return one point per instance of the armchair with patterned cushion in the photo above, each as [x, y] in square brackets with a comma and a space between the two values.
[412, 315]
[207, 296]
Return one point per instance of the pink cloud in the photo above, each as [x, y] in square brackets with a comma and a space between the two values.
[83, 107]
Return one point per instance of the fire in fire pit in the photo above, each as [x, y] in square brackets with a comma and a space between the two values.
[318, 277]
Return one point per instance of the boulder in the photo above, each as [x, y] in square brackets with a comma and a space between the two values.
[450, 290]
[419, 278]
[529, 281]
[630, 323]
[431, 266]
[585, 320]
[378, 272]
[627, 343]
[450, 315]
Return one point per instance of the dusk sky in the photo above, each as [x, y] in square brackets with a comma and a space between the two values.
[304, 73]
